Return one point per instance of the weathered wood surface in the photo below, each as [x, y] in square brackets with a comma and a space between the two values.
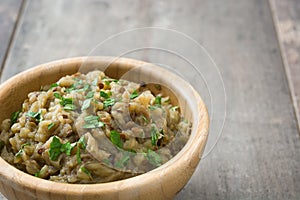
[258, 155]
[287, 20]
[9, 11]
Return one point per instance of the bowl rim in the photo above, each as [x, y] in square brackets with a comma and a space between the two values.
[195, 145]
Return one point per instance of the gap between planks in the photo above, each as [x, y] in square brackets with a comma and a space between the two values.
[286, 65]
[12, 37]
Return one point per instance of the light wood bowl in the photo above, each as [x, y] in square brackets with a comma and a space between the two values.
[163, 182]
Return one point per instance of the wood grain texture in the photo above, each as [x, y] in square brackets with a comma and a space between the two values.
[9, 11]
[257, 156]
[287, 21]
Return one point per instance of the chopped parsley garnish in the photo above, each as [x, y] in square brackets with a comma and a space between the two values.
[116, 138]
[37, 174]
[50, 126]
[85, 87]
[157, 103]
[21, 149]
[134, 94]
[154, 136]
[145, 119]
[109, 102]
[95, 82]
[56, 148]
[82, 142]
[53, 85]
[89, 95]
[107, 82]
[105, 95]
[158, 100]
[78, 156]
[83, 169]
[67, 148]
[57, 95]
[153, 158]
[36, 115]
[67, 103]
[123, 161]
[70, 107]
[14, 117]
[92, 121]
[151, 107]
[86, 104]
[75, 86]
[106, 161]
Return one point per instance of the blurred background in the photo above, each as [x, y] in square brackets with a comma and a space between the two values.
[255, 45]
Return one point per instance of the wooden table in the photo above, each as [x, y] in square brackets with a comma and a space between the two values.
[256, 45]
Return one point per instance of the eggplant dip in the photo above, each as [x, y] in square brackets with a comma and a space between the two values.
[90, 128]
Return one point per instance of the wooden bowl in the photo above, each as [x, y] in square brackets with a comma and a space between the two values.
[161, 183]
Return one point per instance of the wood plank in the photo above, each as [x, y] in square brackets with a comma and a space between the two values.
[8, 16]
[9, 11]
[287, 20]
[257, 156]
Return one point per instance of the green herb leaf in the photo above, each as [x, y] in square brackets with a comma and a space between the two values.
[50, 126]
[153, 158]
[76, 86]
[70, 107]
[35, 115]
[19, 152]
[134, 94]
[14, 117]
[67, 148]
[21, 149]
[158, 100]
[86, 104]
[78, 156]
[123, 161]
[86, 87]
[95, 82]
[86, 171]
[107, 81]
[65, 101]
[89, 95]
[106, 161]
[154, 136]
[53, 85]
[57, 95]
[37, 174]
[92, 121]
[55, 148]
[104, 94]
[82, 142]
[91, 118]
[109, 102]
[153, 107]
[116, 138]
[145, 119]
